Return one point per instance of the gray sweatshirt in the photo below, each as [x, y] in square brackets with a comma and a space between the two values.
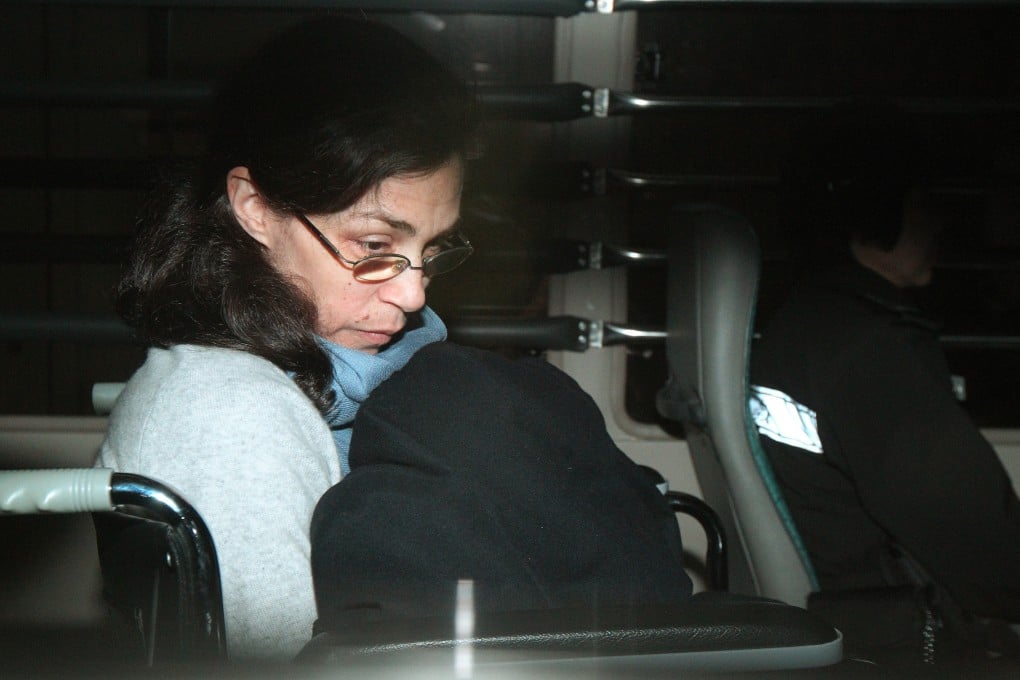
[236, 437]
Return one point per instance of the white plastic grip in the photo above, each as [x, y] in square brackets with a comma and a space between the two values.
[104, 396]
[29, 492]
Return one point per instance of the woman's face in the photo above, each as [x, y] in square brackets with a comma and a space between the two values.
[402, 215]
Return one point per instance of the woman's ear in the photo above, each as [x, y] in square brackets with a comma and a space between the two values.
[249, 207]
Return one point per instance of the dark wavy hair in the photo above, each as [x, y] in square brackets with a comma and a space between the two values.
[319, 115]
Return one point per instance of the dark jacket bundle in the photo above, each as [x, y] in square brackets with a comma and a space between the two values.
[466, 465]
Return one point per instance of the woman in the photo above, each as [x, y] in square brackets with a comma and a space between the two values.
[279, 287]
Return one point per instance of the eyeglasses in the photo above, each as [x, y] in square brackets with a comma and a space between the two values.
[378, 268]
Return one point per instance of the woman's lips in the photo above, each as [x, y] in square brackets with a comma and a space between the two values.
[378, 338]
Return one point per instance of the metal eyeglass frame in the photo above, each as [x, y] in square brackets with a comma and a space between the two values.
[398, 263]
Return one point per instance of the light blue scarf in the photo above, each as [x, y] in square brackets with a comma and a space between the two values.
[356, 373]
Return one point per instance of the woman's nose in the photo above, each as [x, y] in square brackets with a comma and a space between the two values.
[405, 290]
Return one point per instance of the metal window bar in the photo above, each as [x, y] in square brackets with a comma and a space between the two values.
[559, 180]
[551, 102]
[554, 256]
[566, 332]
[557, 256]
[551, 8]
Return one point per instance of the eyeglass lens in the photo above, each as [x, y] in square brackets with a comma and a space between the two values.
[379, 268]
[383, 267]
[445, 261]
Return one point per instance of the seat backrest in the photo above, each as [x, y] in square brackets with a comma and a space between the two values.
[714, 267]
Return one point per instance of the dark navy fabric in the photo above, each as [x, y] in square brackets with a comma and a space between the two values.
[468, 465]
[904, 467]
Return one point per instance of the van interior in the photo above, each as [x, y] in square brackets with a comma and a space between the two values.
[602, 119]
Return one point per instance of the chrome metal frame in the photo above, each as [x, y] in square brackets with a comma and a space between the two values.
[204, 635]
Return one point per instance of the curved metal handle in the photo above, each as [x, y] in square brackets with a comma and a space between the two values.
[716, 557]
[194, 551]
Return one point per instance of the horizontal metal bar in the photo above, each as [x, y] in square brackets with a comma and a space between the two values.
[609, 334]
[631, 5]
[32, 248]
[949, 186]
[560, 332]
[138, 94]
[561, 180]
[1000, 259]
[555, 256]
[83, 173]
[627, 103]
[610, 255]
[561, 8]
[63, 327]
[551, 8]
[1009, 342]
[551, 102]
[639, 180]
[567, 179]
[570, 333]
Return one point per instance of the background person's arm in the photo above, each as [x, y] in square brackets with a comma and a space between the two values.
[927, 475]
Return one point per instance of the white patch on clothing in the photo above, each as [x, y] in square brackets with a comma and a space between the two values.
[781, 418]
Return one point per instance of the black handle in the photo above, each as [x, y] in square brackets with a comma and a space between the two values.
[556, 333]
[557, 102]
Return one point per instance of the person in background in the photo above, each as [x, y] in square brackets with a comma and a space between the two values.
[278, 285]
[888, 480]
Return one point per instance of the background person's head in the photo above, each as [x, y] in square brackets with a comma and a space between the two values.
[860, 188]
[332, 117]
[910, 261]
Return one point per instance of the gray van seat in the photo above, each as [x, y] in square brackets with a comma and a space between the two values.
[714, 267]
